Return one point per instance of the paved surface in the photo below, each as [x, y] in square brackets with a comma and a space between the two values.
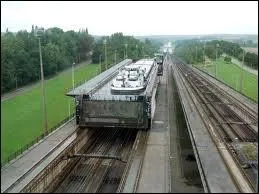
[18, 168]
[215, 174]
[154, 174]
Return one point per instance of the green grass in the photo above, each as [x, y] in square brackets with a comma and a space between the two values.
[21, 116]
[230, 74]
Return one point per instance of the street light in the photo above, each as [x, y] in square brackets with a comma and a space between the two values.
[242, 73]
[73, 75]
[204, 46]
[217, 46]
[137, 50]
[126, 46]
[196, 54]
[105, 42]
[115, 56]
[38, 33]
[100, 62]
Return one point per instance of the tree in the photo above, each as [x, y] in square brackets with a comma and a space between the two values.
[20, 54]
[227, 59]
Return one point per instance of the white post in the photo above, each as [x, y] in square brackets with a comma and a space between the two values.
[69, 108]
[236, 79]
[137, 50]
[126, 45]
[241, 78]
[73, 77]
[43, 90]
[100, 62]
[196, 54]
[204, 53]
[115, 56]
[216, 59]
[105, 42]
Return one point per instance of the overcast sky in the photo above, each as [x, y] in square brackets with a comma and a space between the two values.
[133, 18]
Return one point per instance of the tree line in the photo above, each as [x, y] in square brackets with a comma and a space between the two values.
[193, 51]
[20, 59]
[119, 47]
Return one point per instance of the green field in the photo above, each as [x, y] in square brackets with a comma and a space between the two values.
[21, 116]
[230, 74]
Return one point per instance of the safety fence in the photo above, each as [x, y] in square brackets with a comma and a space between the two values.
[36, 140]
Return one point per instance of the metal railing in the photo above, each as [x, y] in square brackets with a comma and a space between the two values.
[67, 90]
[36, 140]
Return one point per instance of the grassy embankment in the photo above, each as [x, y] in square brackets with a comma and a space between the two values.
[22, 115]
[230, 74]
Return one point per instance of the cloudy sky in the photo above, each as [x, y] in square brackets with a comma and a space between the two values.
[133, 18]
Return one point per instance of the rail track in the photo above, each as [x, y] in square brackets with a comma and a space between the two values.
[130, 177]
[234, 122]
[94, 174]
[232, 126]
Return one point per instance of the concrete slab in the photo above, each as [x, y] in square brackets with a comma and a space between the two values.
[154, 173]
[214, 170]
[16, 169]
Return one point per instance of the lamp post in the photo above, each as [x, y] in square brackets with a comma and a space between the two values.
[115, 56]
[217, 46]
[100, 62]
[126, 46]
[38, 34]
[105, 42]
[204, 46]
[196, 54]
[242, 73]
[73, 82]
[136, 51]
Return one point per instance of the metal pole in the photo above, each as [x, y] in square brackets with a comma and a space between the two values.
[196, 55]
[105, 57]
[241, 78]
[115, 56]
[73, 76]
[136, 51]
[100, 62]
[105, 54]
[217, 46]
[126, 45]
[69, 108]
[204, 54]
[43, 90]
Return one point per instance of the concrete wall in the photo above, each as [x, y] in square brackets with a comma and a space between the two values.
[47, 179]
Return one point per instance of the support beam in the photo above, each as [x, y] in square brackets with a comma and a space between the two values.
[96, 156]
